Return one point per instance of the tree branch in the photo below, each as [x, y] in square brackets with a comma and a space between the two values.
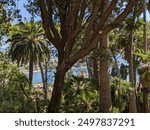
[83, 52]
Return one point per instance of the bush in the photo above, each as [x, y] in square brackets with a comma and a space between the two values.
[14, 93]
[120, 90]
[80, 95]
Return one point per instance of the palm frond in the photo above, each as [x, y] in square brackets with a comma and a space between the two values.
[28, 41]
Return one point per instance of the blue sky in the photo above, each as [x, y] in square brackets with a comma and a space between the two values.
[25, 14]
[23, 11]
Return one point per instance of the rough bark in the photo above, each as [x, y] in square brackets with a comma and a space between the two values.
[96, 69]
[105, 91]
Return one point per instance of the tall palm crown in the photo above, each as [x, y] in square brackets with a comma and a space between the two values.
[28, 45]
[28, 42]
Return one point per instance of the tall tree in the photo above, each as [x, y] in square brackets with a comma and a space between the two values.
[28, 45]
[72, 17]
[105, 91]
[132, 98]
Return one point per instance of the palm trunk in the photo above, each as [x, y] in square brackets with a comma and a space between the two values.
[46, 82]
[54, 104]
[132, 98]
[37, 107]
[105, 90]
[30, 73]
[43, 80]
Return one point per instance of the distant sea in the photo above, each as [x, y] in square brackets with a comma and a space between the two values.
[51, 74]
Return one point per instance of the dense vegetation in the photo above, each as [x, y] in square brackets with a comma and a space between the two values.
[111, 39]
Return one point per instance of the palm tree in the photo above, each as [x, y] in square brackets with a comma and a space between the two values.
[28, 45]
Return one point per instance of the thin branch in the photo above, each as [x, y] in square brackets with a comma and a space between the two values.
[45, 23]
[91, 22]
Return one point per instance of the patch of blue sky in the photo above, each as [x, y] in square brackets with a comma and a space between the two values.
[23, 12]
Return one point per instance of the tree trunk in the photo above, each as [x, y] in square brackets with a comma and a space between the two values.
[145, 101]
[30, 73]
[105, 90]
[132, 98]
[37, 105]
[44, 84]
[54, 104]
[96, 68]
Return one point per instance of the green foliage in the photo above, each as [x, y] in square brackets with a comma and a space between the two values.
[14, 93]
[124, 71]
[28, 45]
[145, 57]
[144, 67]
[80, 95]
[8, 13]
[27, 42]
[38, 96]
[120, 90]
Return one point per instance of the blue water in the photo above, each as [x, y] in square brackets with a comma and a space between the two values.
[37, 78]
[51, 75]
